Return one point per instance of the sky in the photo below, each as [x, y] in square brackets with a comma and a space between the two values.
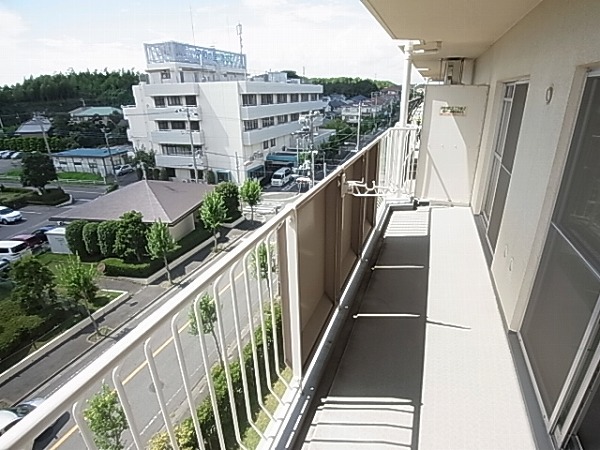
[326, 38]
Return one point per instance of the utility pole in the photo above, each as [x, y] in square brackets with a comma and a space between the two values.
[359, 123]
[41, 122]
[189, 124]
[112, 162]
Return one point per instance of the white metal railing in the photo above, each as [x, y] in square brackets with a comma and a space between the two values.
[162, 373]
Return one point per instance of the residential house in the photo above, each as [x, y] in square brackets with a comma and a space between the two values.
[175, 204]
[101, 161]
[35, 127]
[86, 113]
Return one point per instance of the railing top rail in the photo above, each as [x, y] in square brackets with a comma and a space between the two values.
[38, 420]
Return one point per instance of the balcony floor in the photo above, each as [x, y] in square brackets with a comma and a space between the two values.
[426, 364]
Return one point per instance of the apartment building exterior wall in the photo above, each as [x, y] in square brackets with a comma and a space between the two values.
[234, 123]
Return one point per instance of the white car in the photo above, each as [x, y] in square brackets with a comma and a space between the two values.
[8, 215]
[124, 169]
[10, 416]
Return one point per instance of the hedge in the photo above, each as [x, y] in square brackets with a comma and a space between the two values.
[116, 267]
[185, 432]
[50, 197]
[14, 200]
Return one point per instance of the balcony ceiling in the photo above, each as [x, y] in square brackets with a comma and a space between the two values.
[466, 28]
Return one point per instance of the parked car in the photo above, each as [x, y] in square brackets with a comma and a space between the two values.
[13, 250]
[4, 266]
[16, 155]
[33, 241]
[8, 154]
[124, 169]
[10, 416]
[8, 215]
[41, 232]
[4, 152]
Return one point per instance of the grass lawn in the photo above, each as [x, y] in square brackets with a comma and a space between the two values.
[53, 260]
[82, 176]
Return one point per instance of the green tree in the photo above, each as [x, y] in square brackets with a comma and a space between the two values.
[213, 213]
[251, 193]
[107, 234]
[78, 282]
[90, 238]
[106, 418]
[231, 196]
[161, 243]
[74, 236]
[38, 170]
[130, 239]
[34, 285]
[208, 315]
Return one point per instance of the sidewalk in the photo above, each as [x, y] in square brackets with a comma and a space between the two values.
[52, 370]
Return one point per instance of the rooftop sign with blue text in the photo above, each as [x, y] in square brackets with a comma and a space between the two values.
[176, 52]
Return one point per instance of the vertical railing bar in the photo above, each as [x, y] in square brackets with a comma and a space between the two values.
[252, 337]
[230, 391]
[207, 371]
[158, 390]
[291, 249]
[135, 434]
[84, 429]
[186, 381]
[273, 320]
[262, 325]
[238, 337]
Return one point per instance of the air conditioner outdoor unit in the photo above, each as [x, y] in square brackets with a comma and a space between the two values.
[457, 71]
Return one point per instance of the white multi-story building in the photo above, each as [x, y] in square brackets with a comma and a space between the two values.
[198, 96]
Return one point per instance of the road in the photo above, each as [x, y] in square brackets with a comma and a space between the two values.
[36, 216]
[136, 376]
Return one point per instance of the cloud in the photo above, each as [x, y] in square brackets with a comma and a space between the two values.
[333, 38]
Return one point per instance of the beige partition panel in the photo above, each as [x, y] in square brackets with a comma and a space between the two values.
[331, 230]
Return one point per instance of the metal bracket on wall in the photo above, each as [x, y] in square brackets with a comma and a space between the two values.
[362, 189]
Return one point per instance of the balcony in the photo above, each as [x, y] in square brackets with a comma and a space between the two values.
[389, 334]
[181, 137]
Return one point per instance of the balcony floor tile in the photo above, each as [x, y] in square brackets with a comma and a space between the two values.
[427, 363]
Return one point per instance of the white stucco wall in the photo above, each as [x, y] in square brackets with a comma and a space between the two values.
[551, 47]
[183, 228]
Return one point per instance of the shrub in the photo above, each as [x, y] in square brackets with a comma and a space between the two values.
[90, 238]
[17, 327]
[185, 432]
[74, 236]
[51, 197]
[107, 233]
[112, 187]
[14, 200]
[116, 267]
[230, 193]
[130, 241]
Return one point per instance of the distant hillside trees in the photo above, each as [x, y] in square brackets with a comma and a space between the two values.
[350, 87]
[65, 91]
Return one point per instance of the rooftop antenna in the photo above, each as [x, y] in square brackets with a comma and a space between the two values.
[192, 21]
[238, 30]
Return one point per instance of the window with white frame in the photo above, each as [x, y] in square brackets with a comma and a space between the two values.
[282, 119]
[265, 145]
[293, 98]
[162, 125]
[159, 102]
[190, 100]
[250, 124]
[174, 101]
[268, 121]
[281, 98]
[273, 142]
[248, 99]
[304, 97]
[177, 125]
[266, 99]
